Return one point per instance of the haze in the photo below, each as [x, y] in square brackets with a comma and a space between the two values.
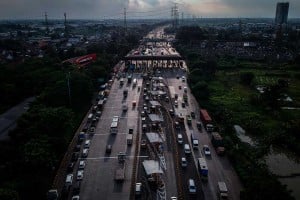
[99, 9]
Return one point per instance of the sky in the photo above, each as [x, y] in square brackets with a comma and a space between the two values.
[104, 9]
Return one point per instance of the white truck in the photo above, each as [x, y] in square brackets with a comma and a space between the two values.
[129, 138]
[223, 192]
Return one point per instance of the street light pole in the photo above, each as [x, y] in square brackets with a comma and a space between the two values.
[69, 88]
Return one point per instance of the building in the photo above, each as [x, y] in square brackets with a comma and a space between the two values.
[282, 11]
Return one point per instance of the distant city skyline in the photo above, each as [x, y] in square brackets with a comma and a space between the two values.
[114, 9]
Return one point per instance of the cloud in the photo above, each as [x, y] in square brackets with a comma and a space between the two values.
[97, 9]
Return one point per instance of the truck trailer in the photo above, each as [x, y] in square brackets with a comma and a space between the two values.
[217, 142]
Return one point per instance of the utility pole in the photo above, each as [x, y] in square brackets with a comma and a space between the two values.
[46, 23]
[68, 76]
[172, 16]
[125, 22]
[65, 23]
[176, 15]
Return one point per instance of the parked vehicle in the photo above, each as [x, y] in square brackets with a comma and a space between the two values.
[183, 162]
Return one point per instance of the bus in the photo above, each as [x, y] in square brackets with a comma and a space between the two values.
[203, 169]
[114, 128]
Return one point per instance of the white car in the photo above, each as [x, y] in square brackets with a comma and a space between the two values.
[79, 175]
[183, 162]
[206, 150]
[81, 164]
[76, 197]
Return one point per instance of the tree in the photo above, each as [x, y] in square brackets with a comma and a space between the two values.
[246, 78]
[200, 90]
[8, 194]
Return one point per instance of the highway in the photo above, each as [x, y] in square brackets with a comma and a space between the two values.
[171, 180]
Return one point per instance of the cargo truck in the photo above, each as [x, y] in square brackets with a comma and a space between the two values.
[204, 116]
[195, 141]
[217, 142]
[223, 192]
[120, 169]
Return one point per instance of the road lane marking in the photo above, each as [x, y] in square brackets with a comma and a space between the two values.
[112, 157]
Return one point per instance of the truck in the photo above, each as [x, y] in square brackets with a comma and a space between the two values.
[223, 192]
[203, 169]
[129, 138]
[119, 175]
[217, 142]
[204, 116]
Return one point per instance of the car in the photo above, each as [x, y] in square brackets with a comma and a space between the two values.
[177, 76]
[177, 125]
[79, 175]
[171, 111]
[76, 197]
[70, 167]
[193, 115]
[173, 198]
[189, 119]
[183, 162]
[77, 148]
[176, 103]
[192, 186]
[206, 150]
[176, 96]
[180, 138]
[75, 156]
[183, 104]
[108, 148]
[124, 108]
[85, 153]
[138, 189]
[187, 149]
[199, 125]
[76, 188]
[69, 179]
[81, 164]
[179, 87]
[183, 78]
[92, 130]
[143, 144]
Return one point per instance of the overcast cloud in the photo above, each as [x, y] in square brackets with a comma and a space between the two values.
[99, 9]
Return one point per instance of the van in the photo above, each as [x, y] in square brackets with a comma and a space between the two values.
[87, 143]
[69, 179]
[138, 189]
[192, 186]
[179, 138]
[85, 153]
[187, 149]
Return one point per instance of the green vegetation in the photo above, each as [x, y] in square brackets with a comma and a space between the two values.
[32, 156]
[228, 91]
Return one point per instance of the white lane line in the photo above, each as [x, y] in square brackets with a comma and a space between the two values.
[113, 157]
[109, 134]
